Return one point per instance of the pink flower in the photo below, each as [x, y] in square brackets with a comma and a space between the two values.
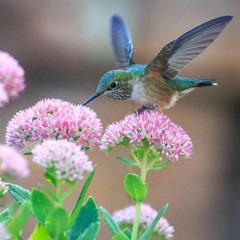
[11, 78]
[126, 216]
[12, 162]
[152, 126]
[54, 119]
[66, 158]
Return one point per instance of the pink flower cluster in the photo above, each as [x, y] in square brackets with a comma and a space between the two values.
[54, 119]
[126, 216]
[12, 162]
[153, 126]
[12, 80]
[66, 158]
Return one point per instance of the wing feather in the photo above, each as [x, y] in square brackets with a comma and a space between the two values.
[121, 42]
[175, 55]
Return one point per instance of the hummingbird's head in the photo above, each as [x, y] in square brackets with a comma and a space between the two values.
[115, 84]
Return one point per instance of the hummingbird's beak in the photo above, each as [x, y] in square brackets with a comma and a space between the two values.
[91, 98]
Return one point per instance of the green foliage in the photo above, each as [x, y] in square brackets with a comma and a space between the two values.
[111, 224]
[153, 154]
[50, 176]
[28, 154]
[120, 236]
[87, 222]
[124, 142]
[127, 232]
[78, 205]
[49, 192]
[134, 186]
[139, 152]
[4, 215]
[149, 231]
[41, 205]
[15, 225]
[91, 232]
[53, 220]
[127, 161]
[20, 194]
[40, 233]
[160, 165]
[56, 223]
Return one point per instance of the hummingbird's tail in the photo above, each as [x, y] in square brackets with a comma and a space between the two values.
[203, 82]
[182, 83]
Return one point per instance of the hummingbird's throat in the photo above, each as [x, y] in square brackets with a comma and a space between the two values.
[117, 95]
[122, 91]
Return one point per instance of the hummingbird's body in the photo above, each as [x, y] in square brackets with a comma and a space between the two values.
[153, 91]
[156, 85]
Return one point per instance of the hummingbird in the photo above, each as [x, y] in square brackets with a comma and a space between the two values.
[157, 84]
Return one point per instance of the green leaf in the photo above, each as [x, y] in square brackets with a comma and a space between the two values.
[49, 191]
[56, 223]
[127, 232]
[87, 216]
[40, 233]
[149, 231]
[124, 142]
[161, 165]
[145, 143]
[28, 154]
[50, 176]
[127, 161]
[159, 150]
[67, 193]
[13, 206]
[78, 205]
[41, 205]
[139, 152]
[4, 215]
[84, 148]
[108, 149]
[91, 232]
[16, 224]
[134, 186]
[120, 236]
[20, 194]
[111, 224]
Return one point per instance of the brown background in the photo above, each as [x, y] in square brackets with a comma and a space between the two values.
[64, 47]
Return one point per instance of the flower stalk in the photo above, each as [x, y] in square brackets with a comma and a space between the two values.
[136, 221]
[147, 136]
[144, 170]
[59, 193]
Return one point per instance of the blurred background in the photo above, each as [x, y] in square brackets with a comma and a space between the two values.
[64, 48]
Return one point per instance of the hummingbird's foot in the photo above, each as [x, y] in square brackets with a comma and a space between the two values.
[142, 109]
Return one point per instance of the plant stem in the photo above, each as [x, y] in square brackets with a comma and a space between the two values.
[136, 221]
[156, 159]
[59, 192]
[144, 170]
[131, 152]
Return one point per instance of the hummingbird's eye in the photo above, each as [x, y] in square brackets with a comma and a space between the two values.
[112, 86]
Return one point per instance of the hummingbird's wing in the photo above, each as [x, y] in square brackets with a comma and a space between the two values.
[178, 53]
[121, 42]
